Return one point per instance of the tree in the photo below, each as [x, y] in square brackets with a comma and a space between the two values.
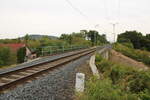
[95, 38]
[102, 38]
[44, 41]
[148, 36]
[92, 34]
[145, 43]
[6, 56]
[85, 33]
[67, 38]
[26, 38]
[87, 37]
[21, 54]
[19, 40]
[131, 36]
[136, 38]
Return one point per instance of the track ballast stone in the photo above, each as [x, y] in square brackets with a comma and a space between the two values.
[57, 85]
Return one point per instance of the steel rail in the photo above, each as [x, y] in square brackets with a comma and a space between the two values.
[68, 58]
[43, 62]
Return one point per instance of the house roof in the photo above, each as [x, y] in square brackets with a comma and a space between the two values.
[13, 46]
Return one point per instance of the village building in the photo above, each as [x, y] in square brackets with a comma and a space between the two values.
[14, 47]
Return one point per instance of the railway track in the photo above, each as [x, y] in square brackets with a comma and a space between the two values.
[11, 79]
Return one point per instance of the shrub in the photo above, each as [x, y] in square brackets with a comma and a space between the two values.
[104, 65]
[21, 55]
[145, 95]
[7, 57]
[140, 81]
[119, 72]
[98, 58]
[105, 90]
[128, 44]
[131, 81]
[1, 62]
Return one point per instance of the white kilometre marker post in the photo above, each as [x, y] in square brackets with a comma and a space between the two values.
[79, 85]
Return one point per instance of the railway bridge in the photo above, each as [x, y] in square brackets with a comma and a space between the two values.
[47, 78]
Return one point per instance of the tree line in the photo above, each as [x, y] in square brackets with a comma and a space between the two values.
[82, 38]
[135, 38]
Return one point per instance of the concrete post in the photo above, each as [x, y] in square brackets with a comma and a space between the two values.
[93, 67]
[79, 86]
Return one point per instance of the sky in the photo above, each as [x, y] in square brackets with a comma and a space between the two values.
[54, 17]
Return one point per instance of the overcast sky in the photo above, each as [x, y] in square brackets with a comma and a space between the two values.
[54, 17]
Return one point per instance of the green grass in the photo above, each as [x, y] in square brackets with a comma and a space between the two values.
[105, 90]
[119, 82]
[139, 55]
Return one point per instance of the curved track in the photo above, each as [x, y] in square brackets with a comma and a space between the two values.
[10, 79]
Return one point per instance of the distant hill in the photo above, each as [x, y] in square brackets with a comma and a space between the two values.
[36, 37]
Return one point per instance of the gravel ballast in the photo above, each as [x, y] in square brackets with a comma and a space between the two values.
[57, 85]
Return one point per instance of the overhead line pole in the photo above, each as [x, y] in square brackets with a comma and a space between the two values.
[114, 26]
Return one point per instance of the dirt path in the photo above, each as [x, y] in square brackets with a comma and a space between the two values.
[122, 59]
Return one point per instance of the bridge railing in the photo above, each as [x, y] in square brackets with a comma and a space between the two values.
[50, 50]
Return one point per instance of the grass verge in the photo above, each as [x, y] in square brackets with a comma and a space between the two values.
[119, 82]
[139, 55]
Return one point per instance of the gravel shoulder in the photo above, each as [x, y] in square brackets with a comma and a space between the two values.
[57, 85]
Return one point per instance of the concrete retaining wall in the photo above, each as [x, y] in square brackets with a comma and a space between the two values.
[105, 53]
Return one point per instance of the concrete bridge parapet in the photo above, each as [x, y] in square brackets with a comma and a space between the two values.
[105, 52]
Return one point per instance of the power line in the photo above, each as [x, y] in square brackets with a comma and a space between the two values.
[80, 12]
[76, 9]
